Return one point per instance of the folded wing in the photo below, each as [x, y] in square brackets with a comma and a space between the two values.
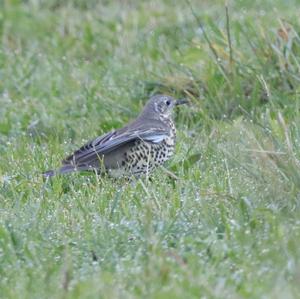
[111, 141]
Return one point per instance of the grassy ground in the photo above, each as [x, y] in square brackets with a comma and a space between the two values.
[229, 227]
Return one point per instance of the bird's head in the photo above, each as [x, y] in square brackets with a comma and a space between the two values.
[161, 106]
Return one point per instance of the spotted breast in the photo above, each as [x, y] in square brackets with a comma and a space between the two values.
[143, 157]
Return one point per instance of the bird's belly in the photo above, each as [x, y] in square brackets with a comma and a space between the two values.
[117, 172]
[142, 158]
[145, 157]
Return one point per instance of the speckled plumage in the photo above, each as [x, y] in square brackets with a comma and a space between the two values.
[133, 150]
[143, 157]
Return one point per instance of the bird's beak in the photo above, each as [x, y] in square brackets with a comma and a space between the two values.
[181, 102]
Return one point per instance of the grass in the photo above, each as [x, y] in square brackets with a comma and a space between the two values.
[229, 227]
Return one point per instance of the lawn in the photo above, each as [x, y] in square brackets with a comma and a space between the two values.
[228, 226]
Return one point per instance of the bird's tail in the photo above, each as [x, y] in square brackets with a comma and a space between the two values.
[63, 170]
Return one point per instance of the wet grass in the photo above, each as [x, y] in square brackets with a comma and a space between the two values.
[228, 227]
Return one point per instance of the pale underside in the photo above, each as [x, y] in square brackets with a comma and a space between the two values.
[143, 158]
[134, 150]
[137, 158]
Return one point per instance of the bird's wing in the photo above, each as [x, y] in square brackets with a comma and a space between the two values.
[106, 143]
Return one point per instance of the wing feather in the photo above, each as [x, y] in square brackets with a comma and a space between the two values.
[106, 143]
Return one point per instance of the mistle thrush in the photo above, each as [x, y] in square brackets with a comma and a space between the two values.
[133, 150]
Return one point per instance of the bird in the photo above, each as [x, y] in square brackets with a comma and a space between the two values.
[134, 150]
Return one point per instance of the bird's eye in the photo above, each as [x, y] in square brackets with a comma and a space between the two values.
[168, 102]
